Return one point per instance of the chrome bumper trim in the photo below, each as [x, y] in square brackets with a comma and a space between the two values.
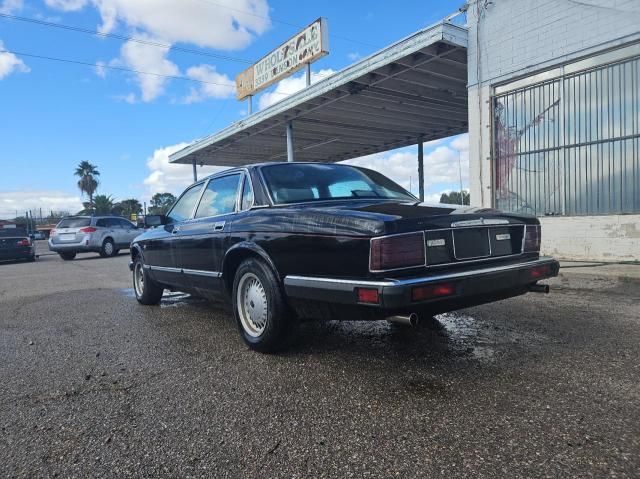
[310, 280]
[194, 272]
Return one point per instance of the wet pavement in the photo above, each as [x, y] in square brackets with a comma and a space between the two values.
[93, 384]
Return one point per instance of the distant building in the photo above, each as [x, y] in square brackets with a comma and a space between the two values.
[554, 119]
[7, 224]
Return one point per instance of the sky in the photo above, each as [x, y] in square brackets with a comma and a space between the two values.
[53, 114]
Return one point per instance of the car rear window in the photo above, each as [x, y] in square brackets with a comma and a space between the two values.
[74, 223]
[12, 232]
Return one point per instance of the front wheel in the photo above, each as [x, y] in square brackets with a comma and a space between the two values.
[263, 317]
[147, 291]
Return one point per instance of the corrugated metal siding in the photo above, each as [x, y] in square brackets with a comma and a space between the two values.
[571, 145]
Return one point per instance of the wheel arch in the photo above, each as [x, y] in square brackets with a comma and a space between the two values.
[135, 250]
[236, 255]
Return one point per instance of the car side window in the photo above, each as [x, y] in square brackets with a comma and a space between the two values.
[247, 194]
[219, 197]
[125, 224]
[101, 223]
[184, 206]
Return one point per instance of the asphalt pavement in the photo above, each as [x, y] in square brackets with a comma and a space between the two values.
[93, 384]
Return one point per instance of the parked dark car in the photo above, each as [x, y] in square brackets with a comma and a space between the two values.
[292, 241]
[15, 243]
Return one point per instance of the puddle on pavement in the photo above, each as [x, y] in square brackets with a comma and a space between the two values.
[169, 299]
[469, 334]
[485, 340]
[451, 334]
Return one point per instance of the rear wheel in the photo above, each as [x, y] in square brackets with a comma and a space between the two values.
[68, 256]
[108, 248]
[263, 317]
[146, 289]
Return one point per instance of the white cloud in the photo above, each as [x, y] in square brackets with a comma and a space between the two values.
[440, 165]
[173, 178]
[66, 5]
[21, 201]
[146, 58]
[10, 6]
[353, 56]
[101, 69]
[9, 63]
[224, 24]
[289, 86]
[218, 85]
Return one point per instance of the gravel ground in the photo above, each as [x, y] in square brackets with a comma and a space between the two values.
[94, 385]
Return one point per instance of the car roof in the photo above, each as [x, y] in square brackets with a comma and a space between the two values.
[255, 166]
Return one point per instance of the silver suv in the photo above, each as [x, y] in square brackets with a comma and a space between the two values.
[102, 234]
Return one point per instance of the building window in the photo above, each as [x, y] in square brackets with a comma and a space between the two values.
[570, 145]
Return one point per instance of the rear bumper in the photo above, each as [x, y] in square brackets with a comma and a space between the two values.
[469, 287]
[72, 247]
[16, 253]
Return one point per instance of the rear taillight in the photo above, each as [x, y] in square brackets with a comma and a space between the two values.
[368, 295]
[24, 242]
[399, 251]
[538, 272]
[88, 229]
[421, 293]
[532, 237]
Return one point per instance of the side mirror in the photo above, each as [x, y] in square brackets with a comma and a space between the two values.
[151, 221]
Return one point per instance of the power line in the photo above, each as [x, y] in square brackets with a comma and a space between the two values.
[282, 22]
[127, 38]
[124, 38]
[111, 67]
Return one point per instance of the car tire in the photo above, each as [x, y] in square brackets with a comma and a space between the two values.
[31, 258]
[147, 291]
[259, 307]
[108, 248]
[68, 256]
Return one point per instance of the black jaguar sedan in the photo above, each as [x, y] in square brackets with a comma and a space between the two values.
[287, 242]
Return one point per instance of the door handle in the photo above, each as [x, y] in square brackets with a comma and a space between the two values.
[218, 226]
[175, 230]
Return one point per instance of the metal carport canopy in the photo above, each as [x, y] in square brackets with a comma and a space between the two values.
[410, 92]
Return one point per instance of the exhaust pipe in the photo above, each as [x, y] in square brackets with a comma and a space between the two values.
[539, 288]
[406, 320]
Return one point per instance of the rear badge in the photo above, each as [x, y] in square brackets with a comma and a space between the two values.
[503, 237]
[435, 242]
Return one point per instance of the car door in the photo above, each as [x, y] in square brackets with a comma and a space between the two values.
[115, 231]
[202, 241]
[160, 251]
[129, 232]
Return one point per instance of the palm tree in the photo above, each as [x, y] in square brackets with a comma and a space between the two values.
[103, 204]
[88, 183]
[130, 206]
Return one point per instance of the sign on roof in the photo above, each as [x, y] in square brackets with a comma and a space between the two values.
[305, 47]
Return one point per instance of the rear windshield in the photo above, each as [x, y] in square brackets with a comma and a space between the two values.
[12, 232]
[74, 223]
[298, 182]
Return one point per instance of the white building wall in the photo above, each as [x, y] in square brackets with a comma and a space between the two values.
[510, 39]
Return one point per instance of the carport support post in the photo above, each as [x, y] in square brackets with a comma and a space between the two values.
[195, 172]
[421, 170]
[289, 140]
